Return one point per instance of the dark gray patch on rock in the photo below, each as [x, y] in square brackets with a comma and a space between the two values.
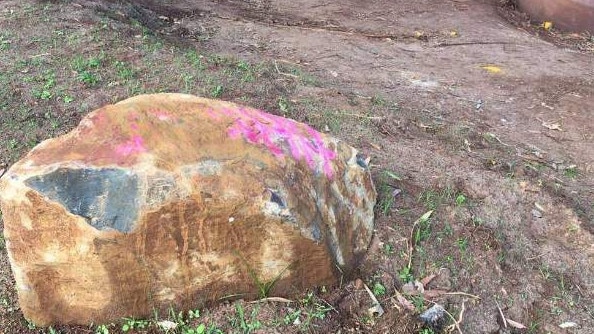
[106, 198]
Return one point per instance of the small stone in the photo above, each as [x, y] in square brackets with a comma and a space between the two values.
[434, 317]
[167, 325]
[536, 213]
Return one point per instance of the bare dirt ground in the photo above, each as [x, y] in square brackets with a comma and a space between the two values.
[465, 108]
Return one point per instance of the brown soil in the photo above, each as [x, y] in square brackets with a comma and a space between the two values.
[486, 122]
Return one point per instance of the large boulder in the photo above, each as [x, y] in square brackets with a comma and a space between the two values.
[174, 200]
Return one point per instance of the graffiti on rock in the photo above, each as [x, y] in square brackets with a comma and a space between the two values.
[275, 132]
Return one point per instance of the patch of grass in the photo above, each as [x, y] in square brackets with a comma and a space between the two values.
[246, 325]
[48, 81]
[196, 60]
[462, 244]
[571, 172]
[87, 69]
[123, 70]
[4, 43]
[432, 198]
[88, 78]
[313, 309]
[386, 189]
[388, 249]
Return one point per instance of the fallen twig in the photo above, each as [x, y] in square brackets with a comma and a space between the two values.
[501, 314]
[462, 294]
[377, 307]
[283, 73]
[411, 247]
[456, 323]
[444, 44]
[375, 118]
[272, 299]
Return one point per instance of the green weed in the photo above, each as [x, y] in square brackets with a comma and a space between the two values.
[131, 323]
[217, 91]
[571, 172]
[102, 329]
[4, 43]
[379, 289]
[388, 249]
[386, 191]
[123, 70]
[461, 200]
[462, 244]
[88, 78]
[246, 325]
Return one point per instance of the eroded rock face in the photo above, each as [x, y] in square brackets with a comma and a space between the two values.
[173, 200]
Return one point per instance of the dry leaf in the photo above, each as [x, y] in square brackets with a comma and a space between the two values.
[552, 125]
[428, 279]
[434, 293]
[404, 302]
[515, 324]
[493, 69]
[568, 324]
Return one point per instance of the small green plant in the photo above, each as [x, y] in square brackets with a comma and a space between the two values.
[571, 172]
[460, 200]
[379, 289]
[545, 272]
[386, 191]
[406, 275]
[388, 249]
[67, 99]
[284, 106]
[217, 91]
[102, 329]
[193, 314]
[247, 326]
[313, 309]
[264, 288]
[291, 317]
[195, 59]
[131, 323]
[30, 324]
[88, 78]
[124, 72]
[426, 331]
[419, 302]
[377, 100]
[462, 244]
[4, 43]
[51, 330]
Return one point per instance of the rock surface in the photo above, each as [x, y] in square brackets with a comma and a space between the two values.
[173, 200]
[573, 15]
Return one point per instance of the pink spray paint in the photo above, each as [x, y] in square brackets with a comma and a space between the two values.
[260, 128]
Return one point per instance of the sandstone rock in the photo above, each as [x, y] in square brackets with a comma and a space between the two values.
[173, 200]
